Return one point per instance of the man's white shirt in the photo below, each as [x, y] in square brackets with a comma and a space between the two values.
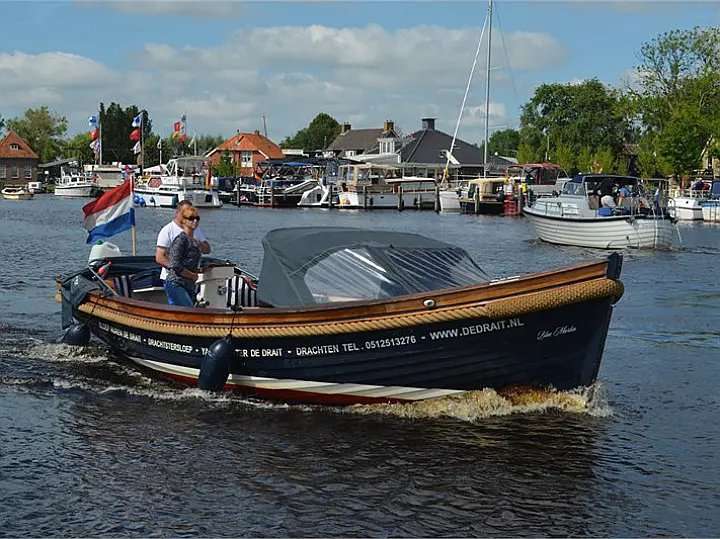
[168, 233]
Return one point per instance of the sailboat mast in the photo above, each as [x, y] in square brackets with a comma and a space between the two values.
[487, 91]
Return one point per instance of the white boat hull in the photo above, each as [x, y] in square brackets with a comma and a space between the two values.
[16, 195]
[711, 211]
[686, 208]
[616, 232]
[389, 200]
[169, 199]
[449, 201]
[75, 190]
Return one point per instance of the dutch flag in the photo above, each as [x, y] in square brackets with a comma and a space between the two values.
[110, 213]
[137, 120]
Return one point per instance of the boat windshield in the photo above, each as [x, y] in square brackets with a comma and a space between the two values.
[366, 274]
[574, 188]
[314, 265]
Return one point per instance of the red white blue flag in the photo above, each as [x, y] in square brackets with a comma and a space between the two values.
[110, 213]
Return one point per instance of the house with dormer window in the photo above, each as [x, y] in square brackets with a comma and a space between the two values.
[18, 161]
[362, 143]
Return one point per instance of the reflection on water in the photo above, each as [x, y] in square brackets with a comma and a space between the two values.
[90, 445]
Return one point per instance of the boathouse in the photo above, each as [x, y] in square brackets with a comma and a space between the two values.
[18, 161]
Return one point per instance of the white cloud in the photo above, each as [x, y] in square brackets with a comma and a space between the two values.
[359, 74]
[207, 9]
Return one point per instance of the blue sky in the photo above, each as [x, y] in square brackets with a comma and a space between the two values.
[226, 64]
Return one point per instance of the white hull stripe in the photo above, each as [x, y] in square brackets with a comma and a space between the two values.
[326, 388]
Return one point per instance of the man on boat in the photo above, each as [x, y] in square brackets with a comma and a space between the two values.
[171, 231]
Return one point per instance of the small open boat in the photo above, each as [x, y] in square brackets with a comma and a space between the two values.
[344, 315]
[16, 193]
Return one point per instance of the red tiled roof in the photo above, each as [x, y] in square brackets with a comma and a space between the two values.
[252, 142]
[25, 151]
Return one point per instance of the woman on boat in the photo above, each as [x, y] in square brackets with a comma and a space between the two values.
[184, 255]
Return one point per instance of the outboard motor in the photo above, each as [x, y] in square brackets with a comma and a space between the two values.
[76, 335]
[215, 366]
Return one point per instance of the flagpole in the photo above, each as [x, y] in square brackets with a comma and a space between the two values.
[133, 237]
[100, 136]
[142, 146]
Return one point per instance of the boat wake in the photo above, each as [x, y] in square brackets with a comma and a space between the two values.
[91, 369]
[473, 406]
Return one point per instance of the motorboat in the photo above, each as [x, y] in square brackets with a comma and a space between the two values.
[576, 216]
[377, 186]
[184, 178]
[484, 195]
[711, 205]
[450, 199]
[541, 179]
[73, 182]
[323, 195]
[36, 187]
[343, 315]
[106, 177]
[16, 193]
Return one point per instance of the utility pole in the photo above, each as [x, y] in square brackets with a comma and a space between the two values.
[264, 126]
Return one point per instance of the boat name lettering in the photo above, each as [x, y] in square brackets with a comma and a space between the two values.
[558, 331]
[476, 329]
[175, 347]
[120, 332]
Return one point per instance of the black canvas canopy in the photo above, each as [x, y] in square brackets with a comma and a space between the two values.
[314, 265]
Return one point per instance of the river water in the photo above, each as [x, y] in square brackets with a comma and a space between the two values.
[89, 446]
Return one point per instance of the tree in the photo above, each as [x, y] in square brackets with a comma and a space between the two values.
[78, 147]
[316, 136]
[116, 124]
[677, 101]
[2, 124]
[43, 130]
[225, 166]
[504, 142]
[574, 116]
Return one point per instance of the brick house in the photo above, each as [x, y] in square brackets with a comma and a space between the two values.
[18, 161]
[359, 142]
[246, 150]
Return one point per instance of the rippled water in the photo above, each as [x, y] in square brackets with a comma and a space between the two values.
[90, 446]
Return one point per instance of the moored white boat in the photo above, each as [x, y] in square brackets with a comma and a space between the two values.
[374, 186]
[185, 180]
[16, 193]
[73, 183]
[687, 206]
[574, 218]
[36, 187]
[711, 205]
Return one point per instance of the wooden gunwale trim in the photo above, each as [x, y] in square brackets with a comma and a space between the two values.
[591, 290]
[406, 304]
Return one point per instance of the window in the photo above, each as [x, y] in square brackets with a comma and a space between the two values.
[349, 153]
[28, 173]
[16, 172]
[14, 146]
[246, 159]
[387, 145]
[3, 172]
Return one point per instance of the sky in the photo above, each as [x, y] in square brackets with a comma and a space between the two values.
[244, 66]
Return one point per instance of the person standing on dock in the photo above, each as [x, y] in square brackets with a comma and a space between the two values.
[171, 231]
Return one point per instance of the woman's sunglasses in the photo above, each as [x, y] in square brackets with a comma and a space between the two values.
[196, 219]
